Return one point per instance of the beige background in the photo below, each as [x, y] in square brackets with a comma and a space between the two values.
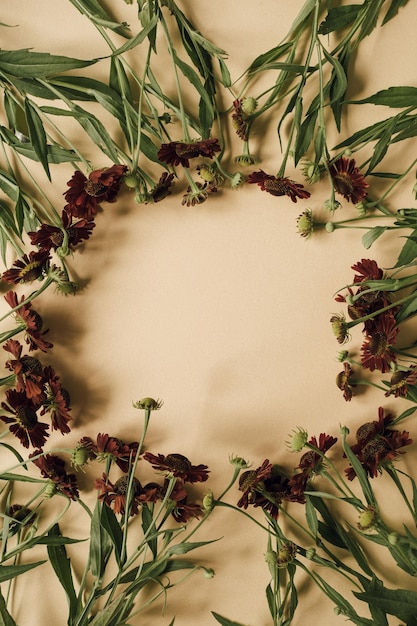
[221, 310]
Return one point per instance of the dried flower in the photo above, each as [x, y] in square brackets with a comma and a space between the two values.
[32, 321]
[401, 380]
[305, 224]
[115, 495]
[180, 153]
[343, 381]
[377, 445]
[348, 180]
[179, 466]
[278, 186]
[377, 352]
[85, 194]
[71, 233]
[23, 421]
[30, 267]
[53, 468]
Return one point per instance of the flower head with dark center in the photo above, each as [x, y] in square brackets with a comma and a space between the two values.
[112, 448]
[377, 352]
[116, 495]
[27, 369]
[28, 268]
[53, 468]
[56, 402]
[162, 187]
[348, 180]
[343, 381]
[377, 445]
[278, 186]
[85, 194]
[23, 420]
[400, 382]
[273, 491]
[25, 315]
[50, 237]
[179, 466]
[251, 482]
[180, 152]
[311, 463]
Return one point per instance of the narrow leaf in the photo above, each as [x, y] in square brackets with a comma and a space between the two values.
[28, 64]
[7, 572]
[224, 621]
[338, 18]
[372, 235]
[62, 567]
[394, 97]
[37, 135]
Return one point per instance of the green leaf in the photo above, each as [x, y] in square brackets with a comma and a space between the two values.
[137, 39]
[372, 235]
[25, 63]
[308, 7]
[305, 135]
[110, 524]
[5, 618]
[111, 612]
[101, 544]
[407, 310]
[37, 135]
[409, 251]
[268, 57]
[338, 18]
[56, 154]
[98, 15]
[62, 567]
[381, 147]
[360, 473]
[394, 97]
[149, 529]
[7, 572]
[399, 602]
[393, 10]
[187, 546]
[9, 185]
[311, 516]
[224, 621]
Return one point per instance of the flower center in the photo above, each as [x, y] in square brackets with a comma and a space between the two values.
[374, 450]
[27, 417]
[57, 238]
[186, 150]
[178, 462]
[276, 187]
[121, 486]
[365, 432]
[31, 364]
[94, 189]
[31, 271]
[343, 184]
[378, 344]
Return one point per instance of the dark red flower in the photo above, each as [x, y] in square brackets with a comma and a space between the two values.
[278, 186]
[23, 422]
[115, 495]
[377, 352]
[85, 194]
[310, 463]
[179, 466]
[377, 445]
[56, 401]
[50, 237]
[239, 120]
[162, 187]
[273, 491]
[27, 369]
[348, 180]
[28, 268]
[367, 269]
[25, 315]
[251, 481]
[401, 380]
[184, 511]
[344, 383]
[180, 153]
[110, 447]
[53, 468]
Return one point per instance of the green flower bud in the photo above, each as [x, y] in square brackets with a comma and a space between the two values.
[330, 227]
[367, 519]
[208, 501]
[392, 538]
[148, 404]
[343, 355]
[249, 105]
[297, 440]
[239, 462]
[245, 160]
[237, 180]
[310, 553]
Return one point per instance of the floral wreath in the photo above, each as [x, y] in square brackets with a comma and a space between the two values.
[163, 144]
